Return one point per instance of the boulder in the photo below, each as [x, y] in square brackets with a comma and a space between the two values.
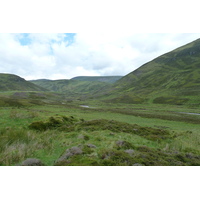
[137, 164]
[69, 153]
[32, 162]
[130, 151]
[91, 146]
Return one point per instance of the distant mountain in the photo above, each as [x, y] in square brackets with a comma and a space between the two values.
[11, 82]
[107, 79]
[173, 78]
[72, 87]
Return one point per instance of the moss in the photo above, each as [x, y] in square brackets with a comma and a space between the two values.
[79, 160]
[144, 149]
[87, 150]
[86, 137]
[123, 145]
[39, 126]
[115, 126]
[116, 158]
[146, 156]
[69, 124]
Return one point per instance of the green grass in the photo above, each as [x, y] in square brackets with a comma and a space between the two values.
[103, 125]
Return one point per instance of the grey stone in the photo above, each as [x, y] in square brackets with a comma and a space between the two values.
[81, 137]
[137, 164]
[120, 143]
[32, 162]
[130, 151]
[69, 153]
[91, 146]
[75, 150]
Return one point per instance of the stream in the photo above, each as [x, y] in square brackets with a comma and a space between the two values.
[189, 113]
[84, 106]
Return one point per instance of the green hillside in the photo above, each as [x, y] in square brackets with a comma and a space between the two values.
[10, 82]
[107, 79]
[173, 78]
[72, 87]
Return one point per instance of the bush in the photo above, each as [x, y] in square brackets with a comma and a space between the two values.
[53, 122]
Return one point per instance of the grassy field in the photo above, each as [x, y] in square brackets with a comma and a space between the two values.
[101, 135]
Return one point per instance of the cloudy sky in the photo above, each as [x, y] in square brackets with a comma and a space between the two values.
[66, 55]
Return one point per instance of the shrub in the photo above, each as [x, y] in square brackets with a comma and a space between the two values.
[53, 122]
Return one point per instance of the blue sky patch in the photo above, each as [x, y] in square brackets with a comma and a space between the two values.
[24, 39]
[70, 38]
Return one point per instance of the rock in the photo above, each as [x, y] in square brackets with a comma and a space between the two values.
[120, 143]
[124, 144]
[143, 156]
[84, 137]
[137, 164]
[75, 150]
[91, 146]
[69, 153]
[112, 133]
[81, 137]
[130, 151]
[32, 162]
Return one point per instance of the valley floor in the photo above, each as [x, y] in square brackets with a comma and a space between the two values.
[99, 134]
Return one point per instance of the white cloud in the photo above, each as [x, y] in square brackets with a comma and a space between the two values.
[52, 56]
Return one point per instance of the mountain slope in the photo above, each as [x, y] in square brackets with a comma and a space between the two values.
[72, 87]
[107, 79]
[171, 78]
[10, 82]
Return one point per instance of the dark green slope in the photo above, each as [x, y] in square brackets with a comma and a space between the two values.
[107, 79]
[172, 78]
[72, 87]
[10, 82]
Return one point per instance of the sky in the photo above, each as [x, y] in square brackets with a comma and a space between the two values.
[66, 55]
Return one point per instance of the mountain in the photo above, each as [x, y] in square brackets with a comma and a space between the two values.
[72, 87]
[173, 78]
[107, 79]
[11, 82]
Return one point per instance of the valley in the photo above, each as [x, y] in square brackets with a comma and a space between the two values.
[149, 117]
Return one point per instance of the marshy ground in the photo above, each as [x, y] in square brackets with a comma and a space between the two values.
[66, 134]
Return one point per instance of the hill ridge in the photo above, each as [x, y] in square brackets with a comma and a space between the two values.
[12, 82]
[174, 74]
[107, 79]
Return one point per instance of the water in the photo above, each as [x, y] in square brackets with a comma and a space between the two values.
[190, 113]
[84, 106]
